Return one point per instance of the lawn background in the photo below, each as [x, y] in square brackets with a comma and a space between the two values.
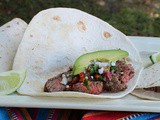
[132, 17]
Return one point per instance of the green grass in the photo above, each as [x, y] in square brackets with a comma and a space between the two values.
[134, 17]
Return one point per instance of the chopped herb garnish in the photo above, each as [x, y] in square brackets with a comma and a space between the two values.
[113, 68]
[85, 83]
[93, 68]
[96, 67]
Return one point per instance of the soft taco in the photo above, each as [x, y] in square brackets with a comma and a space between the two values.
[148, 86]
[56, 37]
[11, 35]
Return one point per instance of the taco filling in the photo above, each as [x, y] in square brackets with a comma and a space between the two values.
[97, 77]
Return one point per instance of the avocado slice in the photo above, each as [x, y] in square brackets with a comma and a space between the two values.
[102, 56]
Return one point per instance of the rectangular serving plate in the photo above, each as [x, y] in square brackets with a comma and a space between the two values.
[127, 103]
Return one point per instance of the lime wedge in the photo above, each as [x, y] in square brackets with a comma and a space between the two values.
[155, 57]
[10, 81]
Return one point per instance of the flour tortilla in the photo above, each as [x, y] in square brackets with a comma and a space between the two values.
[150, 78]
[56, 37]
[11, 35]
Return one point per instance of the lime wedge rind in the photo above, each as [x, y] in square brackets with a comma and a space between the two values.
[11, 81]
[155, 58]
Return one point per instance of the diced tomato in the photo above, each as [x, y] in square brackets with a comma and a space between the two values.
[97, 76]
[82, 77]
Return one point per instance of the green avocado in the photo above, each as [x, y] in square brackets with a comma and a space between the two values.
[102, 56]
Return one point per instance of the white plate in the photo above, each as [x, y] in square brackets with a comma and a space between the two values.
[128, 103]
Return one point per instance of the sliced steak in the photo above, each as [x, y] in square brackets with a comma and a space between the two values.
[114, 85]
[96, 87]
[124, 71]
[128, 73]
[54, 84]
